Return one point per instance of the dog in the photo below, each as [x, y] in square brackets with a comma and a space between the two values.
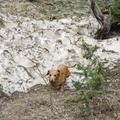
[58, 77]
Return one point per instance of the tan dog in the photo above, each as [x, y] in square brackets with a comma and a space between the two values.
[58, 77]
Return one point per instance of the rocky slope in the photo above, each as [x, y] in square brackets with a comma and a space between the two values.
[30, 47]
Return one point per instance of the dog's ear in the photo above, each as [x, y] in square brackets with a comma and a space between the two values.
[48, 72]
[58, 71]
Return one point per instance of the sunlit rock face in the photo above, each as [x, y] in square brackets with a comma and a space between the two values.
[29, 48]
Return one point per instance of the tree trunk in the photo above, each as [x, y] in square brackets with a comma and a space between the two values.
[104, 21]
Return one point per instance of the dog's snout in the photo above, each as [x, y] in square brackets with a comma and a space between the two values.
[52, 80]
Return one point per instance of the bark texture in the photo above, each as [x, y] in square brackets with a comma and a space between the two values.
[104, 21]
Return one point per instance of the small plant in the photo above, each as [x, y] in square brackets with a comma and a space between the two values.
[115, 10]
[43, 11]
[94, 77]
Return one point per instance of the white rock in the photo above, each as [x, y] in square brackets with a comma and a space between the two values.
[28, 45]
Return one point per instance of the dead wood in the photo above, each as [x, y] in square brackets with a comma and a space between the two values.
[104, 21]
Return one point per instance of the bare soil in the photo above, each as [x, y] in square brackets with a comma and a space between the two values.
[45, 103]
[40, 103]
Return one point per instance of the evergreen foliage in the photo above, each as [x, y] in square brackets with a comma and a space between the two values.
[115, 10]
[93, 82]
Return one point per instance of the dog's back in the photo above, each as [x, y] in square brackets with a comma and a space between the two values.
[64, 69]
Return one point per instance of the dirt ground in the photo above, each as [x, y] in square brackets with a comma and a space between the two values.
[47, 103]
[44, 9]
[44, 103]
[41, 103]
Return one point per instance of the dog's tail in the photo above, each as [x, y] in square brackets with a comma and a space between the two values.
[71, 66]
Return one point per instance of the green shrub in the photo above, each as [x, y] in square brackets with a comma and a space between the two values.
[93, 75]
[115, 10]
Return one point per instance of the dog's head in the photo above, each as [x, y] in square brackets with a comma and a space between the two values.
[53, 75]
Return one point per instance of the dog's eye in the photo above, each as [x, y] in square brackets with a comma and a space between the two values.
[55, 75]
[50, 74]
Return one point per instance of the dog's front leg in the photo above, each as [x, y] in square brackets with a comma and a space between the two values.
[62, 87]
